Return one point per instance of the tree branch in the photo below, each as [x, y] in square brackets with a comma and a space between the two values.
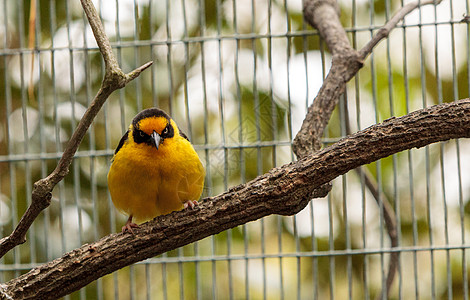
[383, 32]
[391, 225]
[346, 62]
[114, 79]
[284, 190]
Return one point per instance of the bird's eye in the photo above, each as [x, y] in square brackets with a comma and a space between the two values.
[165, 131]
[141, 133]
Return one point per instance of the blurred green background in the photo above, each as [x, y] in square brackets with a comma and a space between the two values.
[237, 76]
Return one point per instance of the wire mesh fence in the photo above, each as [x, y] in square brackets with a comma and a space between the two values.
[238, 76]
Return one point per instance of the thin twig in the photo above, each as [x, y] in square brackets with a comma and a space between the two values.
[114, 79]
[390, 224]
[31, 41]
[392, 23]
[100, 35]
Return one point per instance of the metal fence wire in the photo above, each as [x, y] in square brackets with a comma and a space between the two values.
[237, 76]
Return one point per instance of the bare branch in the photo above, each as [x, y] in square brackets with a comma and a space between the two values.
[391, 24]
[100, 35]
[134, 74]
[114, 79]
[285, 190]
[390, 223]
[323, 15]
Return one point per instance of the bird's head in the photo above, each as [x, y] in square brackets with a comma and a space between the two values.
[153, 126]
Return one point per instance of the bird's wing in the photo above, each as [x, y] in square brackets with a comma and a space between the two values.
[122, 141]
[183, 135]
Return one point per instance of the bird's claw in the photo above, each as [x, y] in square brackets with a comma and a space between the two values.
[128, 227]
[190, 204]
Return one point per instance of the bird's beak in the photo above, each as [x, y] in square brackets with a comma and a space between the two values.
[156, 138]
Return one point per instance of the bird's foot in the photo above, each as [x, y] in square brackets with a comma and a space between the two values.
[190, 204]
[129, 225]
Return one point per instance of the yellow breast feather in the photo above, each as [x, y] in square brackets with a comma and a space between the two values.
[155, 169]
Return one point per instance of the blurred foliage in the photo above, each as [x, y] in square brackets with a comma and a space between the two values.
[239, 87]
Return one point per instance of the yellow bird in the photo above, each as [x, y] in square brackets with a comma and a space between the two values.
[155, 169]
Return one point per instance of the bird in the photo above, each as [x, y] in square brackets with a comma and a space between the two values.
[154, 170]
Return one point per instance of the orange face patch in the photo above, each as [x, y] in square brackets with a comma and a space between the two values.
[148, 125]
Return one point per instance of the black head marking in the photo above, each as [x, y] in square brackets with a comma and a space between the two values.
[141, 137]
[168, 132]
[149, 112]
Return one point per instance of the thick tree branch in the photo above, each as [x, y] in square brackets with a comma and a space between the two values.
[114, 79]
[285, 190]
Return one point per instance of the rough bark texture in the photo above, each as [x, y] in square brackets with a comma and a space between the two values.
[324, 16]
[284, 190]
[320, 111]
